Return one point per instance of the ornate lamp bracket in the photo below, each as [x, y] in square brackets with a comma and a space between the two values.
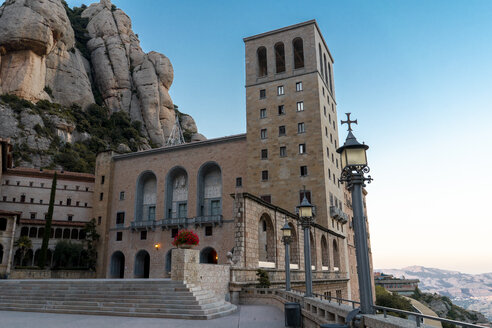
[355, 174]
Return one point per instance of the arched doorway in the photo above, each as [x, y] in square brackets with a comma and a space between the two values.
[325, 258]
[117, 265]
[294, 246]
[142, 264]
[208, 255]
[266, 239]
[336, 256]
[314, 264]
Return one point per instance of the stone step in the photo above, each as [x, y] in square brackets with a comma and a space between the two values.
[102, 292]
[63, 300]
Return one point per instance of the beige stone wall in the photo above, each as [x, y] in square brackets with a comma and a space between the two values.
[6, 240]
[51, 274]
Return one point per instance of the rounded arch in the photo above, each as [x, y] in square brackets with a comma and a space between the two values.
[41, 232]
[66, 233]
[294, 245]
[58, 233]
[209, 255]
[28, 258]
[209, 191]
[37, 253]
[117, 265]
[1, 253]
[298, 48]
[336, 256]
[279, 57]
[142, 264]
[33, 232]
[24, 231]
[75, 234]
[325, 258]
[261, 55]
[177, 193]
[266, 239]
[312, 245]
[146, 196]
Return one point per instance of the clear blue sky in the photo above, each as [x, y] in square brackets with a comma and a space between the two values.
[416, 74]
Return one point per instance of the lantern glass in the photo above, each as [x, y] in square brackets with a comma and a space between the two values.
[305, 211]
[286, 232]
[354, 157]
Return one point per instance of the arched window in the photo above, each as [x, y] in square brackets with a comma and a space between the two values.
[1, 253]
[41, 232]
[294, 246]
[117, 265]
[142, 264]
[312, 245]
[298, 53]
[3, 224]
[24, 231]
[177, 193]
[66, 233]
[36, 257]
[329, 78]
[266, 239]
[58, 233]
[320, 61]
[336, 256]
[325, 258]
[326, 70]
[146, 197]
[209, 190]
[280, 57]
[27, 261]
[75, 234]
[33, 232]
[209, 255]
[261, 53]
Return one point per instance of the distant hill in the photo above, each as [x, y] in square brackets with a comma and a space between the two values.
[472, 292]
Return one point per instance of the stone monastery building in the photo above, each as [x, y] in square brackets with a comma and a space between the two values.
[236, 192]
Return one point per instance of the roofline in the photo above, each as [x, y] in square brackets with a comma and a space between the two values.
[291, 27]
[235, 137]
[48, 174]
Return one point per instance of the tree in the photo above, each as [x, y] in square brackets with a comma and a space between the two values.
[91, 238]
[392, 300]
[23, 243]
[263, 279]
[47, 225]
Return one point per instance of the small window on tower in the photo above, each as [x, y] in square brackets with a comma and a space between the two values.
[283, 151]
[301, 128]
[119, 236]
[300, 106]
[122, 195]
[281, 130]
[102, 179]
[263, 113]
[143, 235]
[302, 148]
[239, 182]
[264, 175]
[298, 86]
[208, 231]
[280, 90]
[262, 94]
[281, 110]
[263, 133]
[304, 171]
[264, 154]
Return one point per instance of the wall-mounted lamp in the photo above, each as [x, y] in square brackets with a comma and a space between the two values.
[157, 246]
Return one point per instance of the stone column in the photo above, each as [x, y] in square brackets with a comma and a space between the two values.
[184, 265]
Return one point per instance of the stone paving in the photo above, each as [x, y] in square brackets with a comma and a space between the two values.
[248, 316]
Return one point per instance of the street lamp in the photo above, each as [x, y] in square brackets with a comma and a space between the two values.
[306, 213]
[286, 237]
[354, 165]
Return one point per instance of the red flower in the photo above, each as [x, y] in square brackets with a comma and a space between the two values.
[185, 237]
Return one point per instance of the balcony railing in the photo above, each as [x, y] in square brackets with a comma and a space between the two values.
[338, 214]
[185, 222]
[143, 225]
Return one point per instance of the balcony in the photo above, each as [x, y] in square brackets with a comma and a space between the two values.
[338, 214]
[185, 222]
[143, 225]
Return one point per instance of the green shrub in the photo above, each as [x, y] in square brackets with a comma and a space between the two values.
[69, 255]
[263, 279]
[392, 300]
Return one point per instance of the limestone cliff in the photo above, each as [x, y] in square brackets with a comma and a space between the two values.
[82, 56]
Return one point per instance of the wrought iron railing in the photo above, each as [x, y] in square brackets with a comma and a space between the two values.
[338, 214]
[143, 224]
[184, 222]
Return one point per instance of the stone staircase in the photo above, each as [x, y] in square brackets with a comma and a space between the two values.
[158, 298]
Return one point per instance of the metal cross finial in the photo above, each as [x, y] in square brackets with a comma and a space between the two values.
[349, 122]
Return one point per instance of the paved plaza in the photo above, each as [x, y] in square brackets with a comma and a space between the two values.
[247, 316]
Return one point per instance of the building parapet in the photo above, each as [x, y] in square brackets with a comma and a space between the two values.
[185, 222]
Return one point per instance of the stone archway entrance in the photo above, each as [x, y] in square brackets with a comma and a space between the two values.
[142, 264]
[208, 255]
[117, 266]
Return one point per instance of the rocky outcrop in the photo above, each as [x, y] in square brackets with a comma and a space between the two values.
[41, 59]
[38, 55]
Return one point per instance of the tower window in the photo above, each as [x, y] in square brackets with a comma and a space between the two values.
[302, 148]
[324, 110]
[208, 231]
[281, 110]
[264, 153]
[304, 171]
[326, 71]
[263, 133]
[122, 195]
[281, 130]
[320, 60]
[298, 53]
[283, 151]
[329, 78]
[69, 217]
[280, 57]
[264, 175]
[262, 61]
[300, 106]
[239, 182]
[102, 179]
[120, 218]
[301, 128]
[326, 131]
[101, 196]
[263, 113]
[262, 94]
[298, 86]
[119, 236]
[280, 90]
[143, 235]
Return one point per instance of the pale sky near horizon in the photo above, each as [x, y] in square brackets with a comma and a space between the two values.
[416, 74]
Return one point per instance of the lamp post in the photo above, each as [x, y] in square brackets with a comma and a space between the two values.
[286, 237]
[306, 213]
[354, 165]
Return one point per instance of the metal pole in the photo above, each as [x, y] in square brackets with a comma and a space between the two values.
[287, 266]
[307, 261]
[361, 248]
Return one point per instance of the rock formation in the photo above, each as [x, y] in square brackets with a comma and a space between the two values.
[42, 58]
